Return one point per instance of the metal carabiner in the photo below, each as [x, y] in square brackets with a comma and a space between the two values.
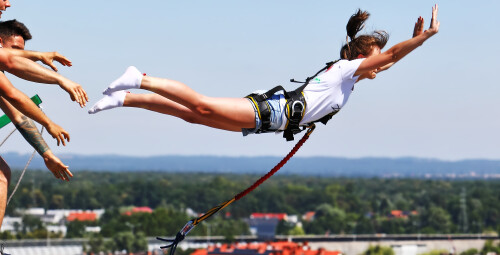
[297, 107]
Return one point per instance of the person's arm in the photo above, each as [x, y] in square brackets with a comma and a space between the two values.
[30, 132]
[400, 50]
[12, 61]
[22, 103]
[417, 30]
[47, 58]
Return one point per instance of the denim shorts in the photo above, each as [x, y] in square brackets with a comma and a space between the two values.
[276, 114]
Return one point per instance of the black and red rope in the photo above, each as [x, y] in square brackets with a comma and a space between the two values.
[192, 223]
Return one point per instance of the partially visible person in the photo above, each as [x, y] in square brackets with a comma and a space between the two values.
[21, 64]
[13, 35]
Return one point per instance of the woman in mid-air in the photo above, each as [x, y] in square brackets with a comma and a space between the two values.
[326, 94]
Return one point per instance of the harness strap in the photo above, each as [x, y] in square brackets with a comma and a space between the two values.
[294, 112]
[263, 107]
[308, 79]
[294, 109]
[297, 101]
[264, 111]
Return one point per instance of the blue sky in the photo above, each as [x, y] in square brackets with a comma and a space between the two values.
[439, 102]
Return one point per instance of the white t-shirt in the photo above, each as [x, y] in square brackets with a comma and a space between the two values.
[329, 91]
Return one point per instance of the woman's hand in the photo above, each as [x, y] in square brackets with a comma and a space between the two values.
[434, 28]
[419, 27]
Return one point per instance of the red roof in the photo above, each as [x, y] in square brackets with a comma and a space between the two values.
[309, 216]
[397, 213]
[82, 216]
[402, 214]
[277, 248]
[279, 216]
[143, 209]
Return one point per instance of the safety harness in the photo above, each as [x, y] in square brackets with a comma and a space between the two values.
[294, 109]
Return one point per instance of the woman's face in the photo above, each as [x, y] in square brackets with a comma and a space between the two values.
[375, 51]
[372, 73]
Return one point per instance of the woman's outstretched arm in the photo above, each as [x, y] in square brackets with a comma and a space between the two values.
[417, 30]
[386, 59]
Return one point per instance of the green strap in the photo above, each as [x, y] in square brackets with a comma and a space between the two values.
[4, 120]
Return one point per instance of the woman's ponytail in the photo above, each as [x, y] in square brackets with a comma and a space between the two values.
[360, 45]
[356, 23]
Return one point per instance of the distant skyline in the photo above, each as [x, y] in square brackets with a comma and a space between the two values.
[314, 166]
[439, 102]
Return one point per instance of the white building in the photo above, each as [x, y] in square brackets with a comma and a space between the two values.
[11, 224]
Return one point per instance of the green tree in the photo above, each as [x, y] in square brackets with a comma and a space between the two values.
[140, 243]
[96, 244]
[438, 220]
[57, 201]
[436, 252]
[129, 242]
[296, 231]
[6, 235]
[124, 241]
[489, 246]
[75, 229]
[471, 251]
[379, 250]
[283, 228]
[31, 223]
[327, 219]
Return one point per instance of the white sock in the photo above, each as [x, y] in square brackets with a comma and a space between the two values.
[131, 79]
[110, 101]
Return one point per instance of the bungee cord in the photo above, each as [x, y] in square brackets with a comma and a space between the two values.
[192, 223]
[6, 138]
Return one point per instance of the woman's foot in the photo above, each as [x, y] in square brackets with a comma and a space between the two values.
[131, 79]
[109, 101]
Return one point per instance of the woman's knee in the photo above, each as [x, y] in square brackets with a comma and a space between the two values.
[203, 106]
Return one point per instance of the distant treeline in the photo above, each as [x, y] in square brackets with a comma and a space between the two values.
[307, 166]
[342, 205]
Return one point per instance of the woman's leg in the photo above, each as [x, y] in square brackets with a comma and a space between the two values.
[157, 103]
[231, 111]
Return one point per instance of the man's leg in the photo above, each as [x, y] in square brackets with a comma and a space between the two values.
[4, 186]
